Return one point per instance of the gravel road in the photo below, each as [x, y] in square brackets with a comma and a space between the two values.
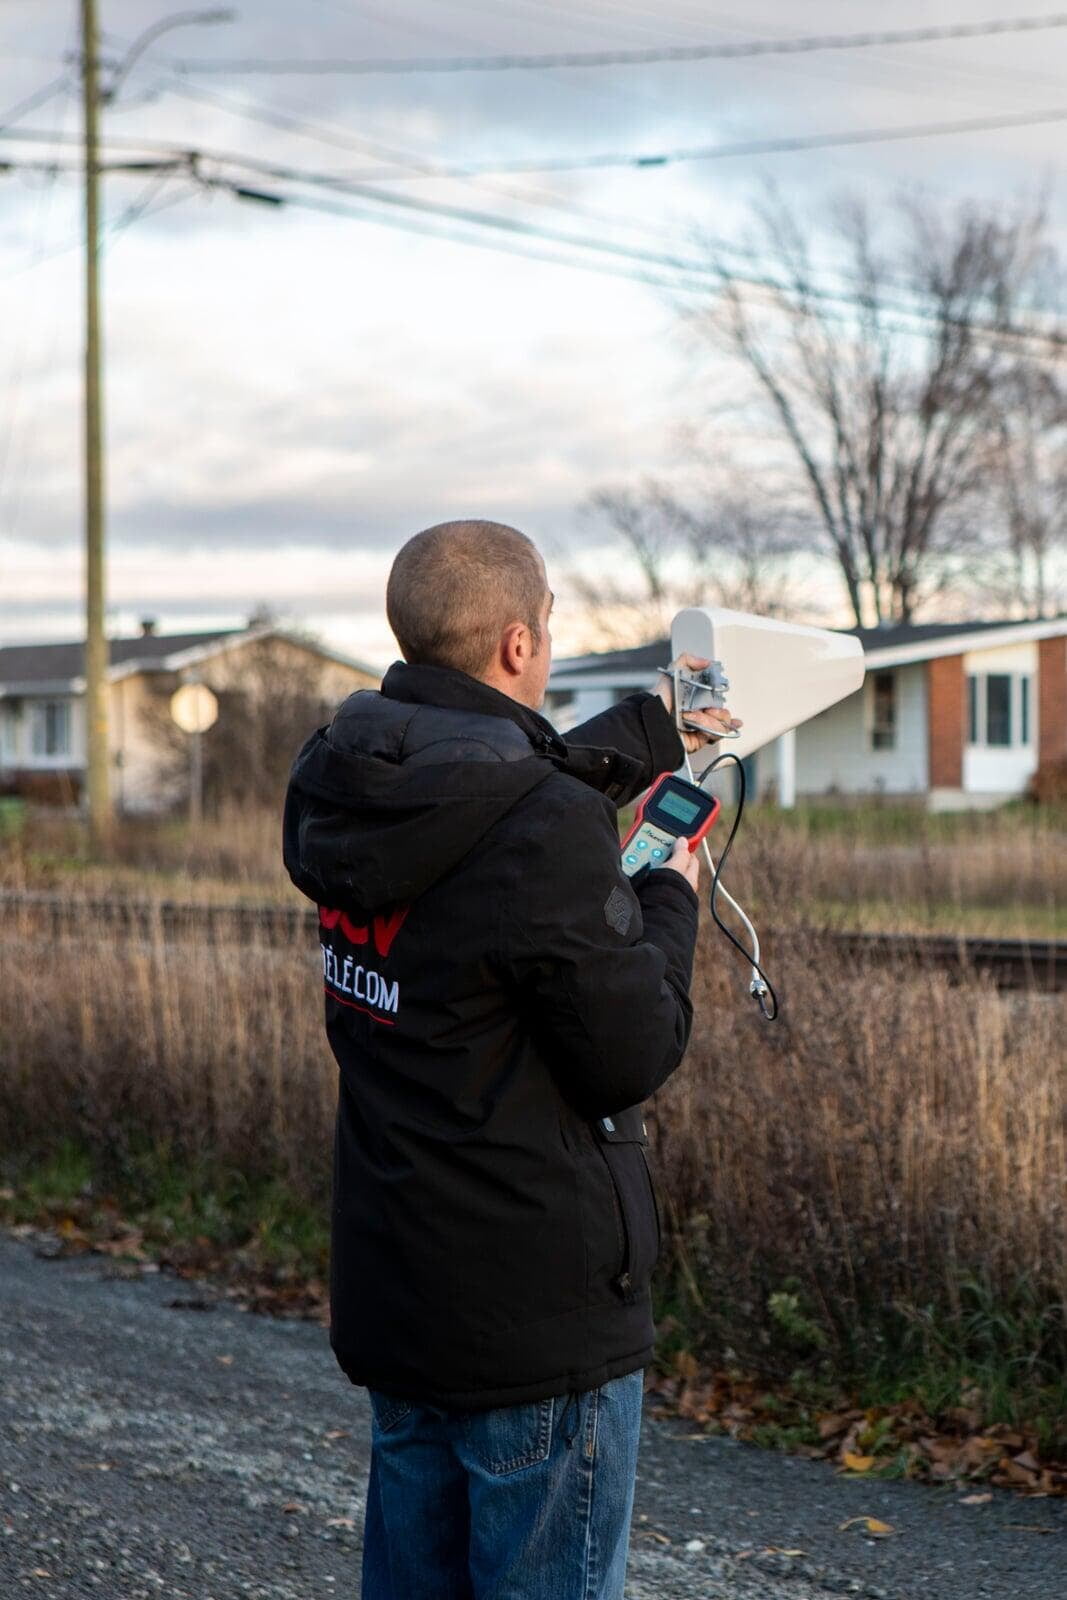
[152, 1449]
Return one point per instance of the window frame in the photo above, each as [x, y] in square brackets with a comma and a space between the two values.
[1005, 711]
[45, 717]
[1020, 710]
[884, 736]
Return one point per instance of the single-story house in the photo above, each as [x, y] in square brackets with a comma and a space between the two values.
[955, 714]
[42, 702]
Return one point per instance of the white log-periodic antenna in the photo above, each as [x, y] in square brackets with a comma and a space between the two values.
[780, 675]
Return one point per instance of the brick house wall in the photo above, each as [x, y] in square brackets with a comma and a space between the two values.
[946, 700]
[1052, 702]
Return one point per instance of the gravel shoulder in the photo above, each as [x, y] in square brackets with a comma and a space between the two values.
[148, 1450]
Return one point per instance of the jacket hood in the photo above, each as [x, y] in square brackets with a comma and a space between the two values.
[406, 782]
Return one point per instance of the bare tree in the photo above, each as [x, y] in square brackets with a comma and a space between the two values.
[266, 710]
[1030, 470]
[884, 393]
[667, 553]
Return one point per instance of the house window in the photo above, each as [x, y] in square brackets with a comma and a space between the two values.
[998, 709]
[999, 712]
[7, 734]
[50, 728]
[884, 711]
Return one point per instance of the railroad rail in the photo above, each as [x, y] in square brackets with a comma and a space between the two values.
[1036, 964]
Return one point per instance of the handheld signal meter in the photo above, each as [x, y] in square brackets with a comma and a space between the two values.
[672, 809]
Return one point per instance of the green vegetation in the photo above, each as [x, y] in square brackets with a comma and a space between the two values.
[165, 1207]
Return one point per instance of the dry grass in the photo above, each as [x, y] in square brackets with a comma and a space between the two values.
[893, 1153]
[893, 1145]
[205, 1050]
[886, 1167]
[877, 866]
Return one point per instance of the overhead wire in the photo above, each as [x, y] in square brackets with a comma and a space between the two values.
[343, 187]
[788, 145]
[778, 146]
[39, 97]
[623, 261]
[802, 44]
[12, 483]
[413, 167]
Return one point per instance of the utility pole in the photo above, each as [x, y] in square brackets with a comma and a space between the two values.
[98, 776]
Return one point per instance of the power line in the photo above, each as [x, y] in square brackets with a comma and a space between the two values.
[804, 44]
[790, 144]
[39, 98]
[417, 167]
[652, 268]
[648, 265]
[689, 277]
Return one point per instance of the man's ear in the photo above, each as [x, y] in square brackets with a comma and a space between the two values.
[516, 648]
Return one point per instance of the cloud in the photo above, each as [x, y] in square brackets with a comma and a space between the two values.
[281, 384]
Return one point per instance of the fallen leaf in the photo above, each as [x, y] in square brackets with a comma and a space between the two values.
[341, 1522]
[856, 1463]
[336, 1433]
[833, 1422]
[776, 1550]
[976, 1499]
[224, 1361]
[292, 1506]
[871, 1525]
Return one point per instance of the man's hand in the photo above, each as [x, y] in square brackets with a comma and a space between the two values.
[717, 722]
[681, 861]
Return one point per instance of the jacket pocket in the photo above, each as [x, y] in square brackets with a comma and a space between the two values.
[620, 1142]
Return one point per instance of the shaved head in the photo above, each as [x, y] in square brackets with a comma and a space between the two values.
[454, 589]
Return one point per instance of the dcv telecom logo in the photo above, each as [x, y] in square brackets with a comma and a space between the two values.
[346, 979]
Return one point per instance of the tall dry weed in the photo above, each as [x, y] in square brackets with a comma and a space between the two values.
[891, 1139]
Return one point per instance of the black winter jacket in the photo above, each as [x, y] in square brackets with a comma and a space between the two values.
[499, 1001]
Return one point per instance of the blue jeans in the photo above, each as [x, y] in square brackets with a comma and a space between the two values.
[529, 1502]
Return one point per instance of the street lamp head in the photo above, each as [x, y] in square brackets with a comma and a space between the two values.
[180, 19]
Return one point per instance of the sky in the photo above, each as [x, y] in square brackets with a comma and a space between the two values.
[290, 394]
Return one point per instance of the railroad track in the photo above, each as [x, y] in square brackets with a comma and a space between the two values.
[1039, 964]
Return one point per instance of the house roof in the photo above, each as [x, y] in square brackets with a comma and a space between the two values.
[892, 646]
[60, 668]
[63, 663]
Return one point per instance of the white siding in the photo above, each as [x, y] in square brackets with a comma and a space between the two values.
[834, 749]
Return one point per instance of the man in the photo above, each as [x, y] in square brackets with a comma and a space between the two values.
[500, 1000]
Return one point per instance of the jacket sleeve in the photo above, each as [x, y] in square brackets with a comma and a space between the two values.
[602, 971]
[640, 727]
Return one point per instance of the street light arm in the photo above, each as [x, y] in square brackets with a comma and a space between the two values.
[137, 49]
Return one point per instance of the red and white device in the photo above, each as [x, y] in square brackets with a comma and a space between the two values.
[672, 809]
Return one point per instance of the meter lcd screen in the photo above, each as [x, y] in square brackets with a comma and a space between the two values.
[677, 806]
